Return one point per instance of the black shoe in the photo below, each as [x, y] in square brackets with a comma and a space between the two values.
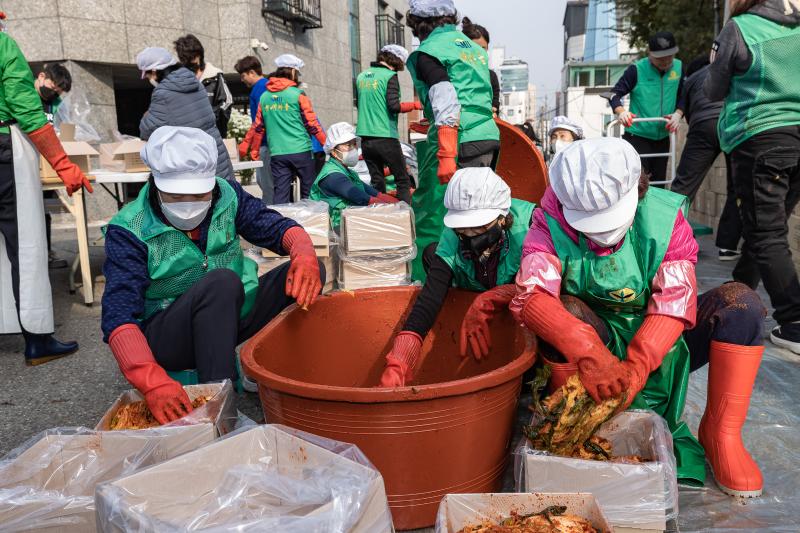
[787, 336]
[729, 255]
[40, 349]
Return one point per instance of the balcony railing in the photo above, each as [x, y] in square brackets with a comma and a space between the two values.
[389, 31]
[307, 13]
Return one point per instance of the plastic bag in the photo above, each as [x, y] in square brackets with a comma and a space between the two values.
[75, 109]
[630, 494]
[267, 478]
[363, 272]
[220, 410]
[49, 481]
[377, 230]
[312, 215]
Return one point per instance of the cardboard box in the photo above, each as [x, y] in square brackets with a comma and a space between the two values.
[314, 218]
[373, 272]
[636, 498]
[129, 153]
[267, 473]
[49, 487]
[66, 131]
[458, 511]
[233, 149]
[377, 229]
[265, 265]
[220, 410]
[79, 152]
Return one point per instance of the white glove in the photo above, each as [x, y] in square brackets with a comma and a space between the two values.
[626, 118]
[674, 121]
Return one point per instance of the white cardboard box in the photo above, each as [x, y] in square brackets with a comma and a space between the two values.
[129, 153]
[377, 229]
[458, 511]
[79, 152]
[314, 218]
[232, 148]
[267, 264]
[357, 274]
[265, 473]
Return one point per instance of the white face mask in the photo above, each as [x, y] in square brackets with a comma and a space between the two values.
[185, 215]
[348, 159]
[608, 239]
[558, 146]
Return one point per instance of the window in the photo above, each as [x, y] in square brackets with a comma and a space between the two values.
[389, 30]
[601, 77]
[355, 46]
[584, 78]
[307, 13]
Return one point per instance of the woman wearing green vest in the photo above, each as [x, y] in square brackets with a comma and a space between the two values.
[338, 184]
[756, 69]
[479, 250]
[180, 294]
[655, 84]
[378, 107]
[451, 75]
[607, 282]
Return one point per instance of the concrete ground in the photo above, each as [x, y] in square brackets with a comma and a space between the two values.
[77, 390]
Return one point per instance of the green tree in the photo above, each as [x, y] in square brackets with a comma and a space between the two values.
[691, 21]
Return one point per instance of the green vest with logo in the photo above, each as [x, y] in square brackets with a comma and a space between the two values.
[617, 288]
[464, 269]
[335, 203]
[286, 133]
[655, 95]
[175, 263]
[767, 96]
[467, 66]
[374, 118]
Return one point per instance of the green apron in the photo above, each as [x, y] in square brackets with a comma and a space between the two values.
[428, 203]
[655, 95]
[335, 203]
[283, 121]
[617, 288]
[374, 118]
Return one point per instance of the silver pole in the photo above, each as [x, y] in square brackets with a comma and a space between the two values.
[727, 10]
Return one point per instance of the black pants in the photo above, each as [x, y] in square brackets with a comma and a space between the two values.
[202, 328]
[380, 152]
[285, 168]
[478, 154]
[731, 313]
[319, 162]
[766, 175]
[656, 167]
[701, 150]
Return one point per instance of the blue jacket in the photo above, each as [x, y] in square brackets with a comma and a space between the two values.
[255, 98]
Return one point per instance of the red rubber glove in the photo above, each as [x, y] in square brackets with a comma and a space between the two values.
[407, 107]
[165, 397]
[303, 281]
[244, 146]
[674, 121]
[626, 118]
[475, 332]
[646, 351]
[383, 198]
[448, 151]
[602, 374]
[49, 146]
[400, 362]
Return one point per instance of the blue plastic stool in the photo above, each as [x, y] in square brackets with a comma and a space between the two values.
[189, 376]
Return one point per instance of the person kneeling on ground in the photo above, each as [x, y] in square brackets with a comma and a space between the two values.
[179, 292]
[607, 282]
[479, 250]
[338, 184]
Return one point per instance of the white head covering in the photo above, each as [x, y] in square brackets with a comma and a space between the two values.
[289, 61]
[432, 8]
[475, 197]
[182, 160]
[337, 134]
[563, 123]
[154, 58]
[397, 50]
[597, 182]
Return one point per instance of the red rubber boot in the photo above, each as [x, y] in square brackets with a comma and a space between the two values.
[731, 374]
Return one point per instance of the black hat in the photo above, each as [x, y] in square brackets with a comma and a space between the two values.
[663, 44]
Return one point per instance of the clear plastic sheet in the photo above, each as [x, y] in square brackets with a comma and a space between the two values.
[266, 478]
[49, 481]
[363, 272]
[377, 230]
[629, 494]
[219, 410]
[312, 215]
[458, 511]
[75, 109]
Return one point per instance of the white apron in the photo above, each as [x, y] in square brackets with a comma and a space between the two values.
[36, 298]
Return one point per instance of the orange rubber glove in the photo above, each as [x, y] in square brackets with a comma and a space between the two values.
[303, 281]
[165, 397]
[383, 198]
[50, 148]
[400, 362]
[475, 332]
[602, 374]
[407, 107]
[626, 118]
[244, 146]
[448, 151]
[654, 338]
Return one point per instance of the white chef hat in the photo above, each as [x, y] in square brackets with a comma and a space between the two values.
[564, 123]
[432, 8]
[182, 160]
[474, 197]
[396, 50]
[597, 182]
[289, 61]
[154, 58]
[339, 133]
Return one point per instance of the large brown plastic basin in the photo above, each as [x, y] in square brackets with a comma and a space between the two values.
[449, 432]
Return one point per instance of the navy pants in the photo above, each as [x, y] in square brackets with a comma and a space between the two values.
[285, 168]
